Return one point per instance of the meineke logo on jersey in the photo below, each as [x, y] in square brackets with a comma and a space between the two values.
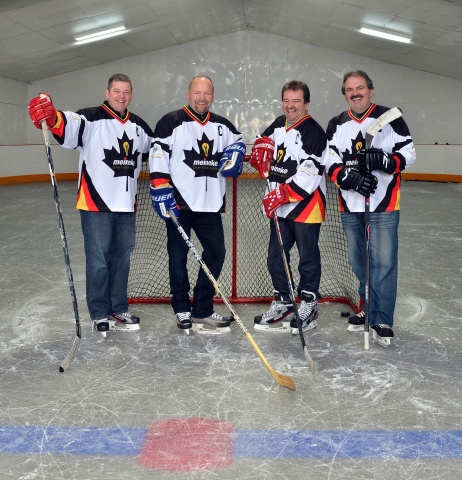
[122, 162]
[202, 160]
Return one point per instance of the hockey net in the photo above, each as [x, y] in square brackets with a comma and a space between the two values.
[244, 277]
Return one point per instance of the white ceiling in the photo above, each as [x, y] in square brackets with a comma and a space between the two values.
[36, 36]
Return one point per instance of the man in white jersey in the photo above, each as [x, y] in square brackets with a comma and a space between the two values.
[293, 149]
[112, 142]
[392, 151]
[191, 145]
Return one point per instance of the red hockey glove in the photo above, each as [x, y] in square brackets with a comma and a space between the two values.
[262, 155]
[274, 199]
[41, 108]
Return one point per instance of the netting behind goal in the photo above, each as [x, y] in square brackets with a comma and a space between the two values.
[245, 276]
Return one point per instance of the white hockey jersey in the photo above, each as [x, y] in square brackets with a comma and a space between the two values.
[186, 151]
[346, 135]
[300, 157]
[111, 151]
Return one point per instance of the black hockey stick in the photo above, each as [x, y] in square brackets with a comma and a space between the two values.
[282, 380]
[75, 346]
[374, 128]
[289, 282]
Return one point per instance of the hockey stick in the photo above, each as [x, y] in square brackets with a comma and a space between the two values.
[373, 129]
[282, 380]
[289, 279]
[75, 346]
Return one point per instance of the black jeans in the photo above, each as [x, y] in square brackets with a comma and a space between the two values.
[306, 236]
[209, 230]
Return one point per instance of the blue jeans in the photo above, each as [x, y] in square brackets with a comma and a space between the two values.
[383, 260]
[306, 236]
[109, 239]
[208, 227]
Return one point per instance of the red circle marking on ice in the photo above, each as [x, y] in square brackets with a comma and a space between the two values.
[185, 444]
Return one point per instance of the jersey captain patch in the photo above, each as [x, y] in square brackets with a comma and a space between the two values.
[202, 161]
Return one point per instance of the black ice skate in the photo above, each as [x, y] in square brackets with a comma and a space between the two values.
[124, 322]
[277, 318]
[215, 324]
[101, 325]
[308, 313]
[183, 321]
[356, 322]
[382, 334]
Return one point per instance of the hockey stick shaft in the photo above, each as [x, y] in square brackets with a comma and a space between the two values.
[282, 380]
[371, 131]
[75, 345]
[290, 284]
[367, 271]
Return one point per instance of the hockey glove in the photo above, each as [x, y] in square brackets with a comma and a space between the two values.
[41, 108]
[262, 155]
[232, 160]
[375, 159]
[363, 183]
[274, 199]
[163, 200]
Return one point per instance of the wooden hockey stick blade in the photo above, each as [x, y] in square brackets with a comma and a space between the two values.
[282, 380]
[70, 357]
[380, 122]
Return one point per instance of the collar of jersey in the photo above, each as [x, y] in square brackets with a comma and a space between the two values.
[115, 114]
[298, 123]
[195, 117]
[364, 115]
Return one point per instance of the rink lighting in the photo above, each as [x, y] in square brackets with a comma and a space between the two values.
[99, 35]
[388, 35]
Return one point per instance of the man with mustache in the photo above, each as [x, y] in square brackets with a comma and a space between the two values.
[349, 166]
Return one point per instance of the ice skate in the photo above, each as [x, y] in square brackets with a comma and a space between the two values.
[215, 324]
[183, 321]
[101, 325]
[356, 322]
[124, 322]
[277, 318]
[308, 313]
[382, 334]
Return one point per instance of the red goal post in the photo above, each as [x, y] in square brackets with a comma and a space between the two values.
[245, 277]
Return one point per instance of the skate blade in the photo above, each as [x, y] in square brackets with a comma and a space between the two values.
[355, 328]
[282, 327]
[123, 327]
[206, 329]
[383, 341]
[309, 327]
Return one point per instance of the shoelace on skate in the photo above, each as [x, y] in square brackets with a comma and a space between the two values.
[275, 308]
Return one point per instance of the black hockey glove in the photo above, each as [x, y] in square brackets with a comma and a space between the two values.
[375, 159]
[363, 183]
